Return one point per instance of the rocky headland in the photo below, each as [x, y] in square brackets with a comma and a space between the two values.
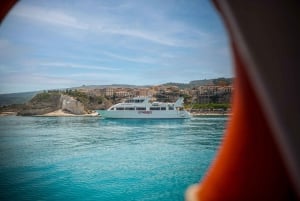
[51, 104]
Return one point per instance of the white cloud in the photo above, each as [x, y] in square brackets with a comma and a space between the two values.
[143, 59]
[142, 34]
[164, 32]
[50, 16]
[78, 66]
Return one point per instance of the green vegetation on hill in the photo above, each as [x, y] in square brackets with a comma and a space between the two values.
[223, 81]
[179, 85]
[218, 82]
[80, 96]
[198, 106]
[45, 99]
[90, 101]
[44, 96]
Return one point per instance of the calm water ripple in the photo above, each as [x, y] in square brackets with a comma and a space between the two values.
[81, 158]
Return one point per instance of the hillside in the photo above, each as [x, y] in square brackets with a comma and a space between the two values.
[218, 81]
[108, 86]
[16, 98]
[93, 102]
[41, 103]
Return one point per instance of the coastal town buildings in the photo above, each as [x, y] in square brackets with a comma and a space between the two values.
[214, 94]
[167, 93]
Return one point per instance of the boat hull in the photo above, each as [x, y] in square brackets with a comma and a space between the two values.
[144, 114]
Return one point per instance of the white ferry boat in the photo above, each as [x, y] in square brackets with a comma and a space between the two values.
[142, 108]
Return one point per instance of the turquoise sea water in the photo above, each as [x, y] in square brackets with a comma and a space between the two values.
[87, 158]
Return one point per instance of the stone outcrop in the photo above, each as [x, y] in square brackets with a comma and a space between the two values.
[71, 105]
[49, 102]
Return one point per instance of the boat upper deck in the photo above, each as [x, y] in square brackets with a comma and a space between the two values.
[143, 103]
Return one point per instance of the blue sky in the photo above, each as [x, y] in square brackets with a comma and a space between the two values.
[59, 44]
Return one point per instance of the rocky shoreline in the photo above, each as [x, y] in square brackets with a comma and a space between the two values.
[62, 113]
[4, 114]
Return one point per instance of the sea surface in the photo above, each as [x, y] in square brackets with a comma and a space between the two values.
[89, 158]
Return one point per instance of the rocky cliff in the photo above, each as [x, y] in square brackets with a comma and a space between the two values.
[71, 105]
[49, 102]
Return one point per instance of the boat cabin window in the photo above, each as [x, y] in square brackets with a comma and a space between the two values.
[120, 108]
[163, 108]
[139, 101]
[155, 103]
[171, 107]
[129, 108]
[154, 108]
[134, 101]
[140, 108]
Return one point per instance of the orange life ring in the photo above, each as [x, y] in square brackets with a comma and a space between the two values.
[253, 161]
